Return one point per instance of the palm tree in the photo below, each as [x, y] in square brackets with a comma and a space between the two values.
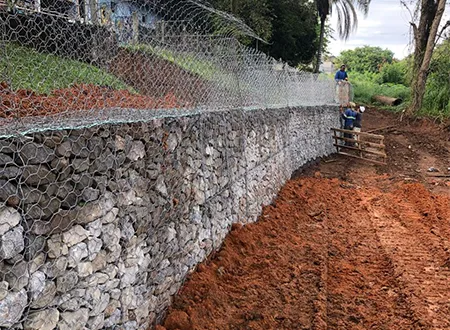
[347, 18]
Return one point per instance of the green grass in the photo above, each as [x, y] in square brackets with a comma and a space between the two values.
[365, 88]
[40, 72]
[200, 67]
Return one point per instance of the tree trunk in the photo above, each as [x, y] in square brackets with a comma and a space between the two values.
[425, 36]
[319, 51]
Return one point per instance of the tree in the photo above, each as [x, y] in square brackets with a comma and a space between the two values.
[255, 13]
[289, 26]
[365, 59]
[425, 38]
[347, 18]
[294, 36]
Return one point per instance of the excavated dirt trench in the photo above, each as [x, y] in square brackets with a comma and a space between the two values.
[346, 245]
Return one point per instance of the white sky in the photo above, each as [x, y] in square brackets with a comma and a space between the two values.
[386, 26]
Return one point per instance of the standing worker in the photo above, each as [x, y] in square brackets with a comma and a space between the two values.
[341, 74]
[342, 87]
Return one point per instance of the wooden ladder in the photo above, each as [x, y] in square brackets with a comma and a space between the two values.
[365, 146]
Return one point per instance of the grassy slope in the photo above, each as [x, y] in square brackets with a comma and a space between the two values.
[28, 69]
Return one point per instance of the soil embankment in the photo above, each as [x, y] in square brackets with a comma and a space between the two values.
[346, 245]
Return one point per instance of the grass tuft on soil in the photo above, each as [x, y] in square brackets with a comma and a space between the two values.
[42, 73]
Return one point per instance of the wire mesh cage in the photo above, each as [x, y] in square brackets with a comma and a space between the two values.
[73, 192]
[58, 58]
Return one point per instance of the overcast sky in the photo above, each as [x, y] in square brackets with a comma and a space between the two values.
[386, 26]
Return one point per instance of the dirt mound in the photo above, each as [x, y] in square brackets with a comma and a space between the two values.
[25, 103]
[346, 245]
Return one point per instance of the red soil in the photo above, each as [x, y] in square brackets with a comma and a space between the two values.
[346, 245]
[25, 103]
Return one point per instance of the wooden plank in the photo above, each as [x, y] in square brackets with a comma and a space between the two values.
[364, 150]
[375, 136]
[381, 128]
[365, 159]
[370, 144]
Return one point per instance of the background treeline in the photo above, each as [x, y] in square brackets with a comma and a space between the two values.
[374, 70]
[290, 27]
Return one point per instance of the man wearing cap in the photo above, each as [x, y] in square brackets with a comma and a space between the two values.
[358, 120]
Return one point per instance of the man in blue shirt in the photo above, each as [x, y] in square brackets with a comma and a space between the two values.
[341, 74]
[349, 117]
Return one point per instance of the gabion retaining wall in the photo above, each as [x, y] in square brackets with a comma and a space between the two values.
[100, 226]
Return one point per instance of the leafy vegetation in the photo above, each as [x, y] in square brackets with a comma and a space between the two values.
[43, 73]
[365, 59]
[436, 102]
[289, 26]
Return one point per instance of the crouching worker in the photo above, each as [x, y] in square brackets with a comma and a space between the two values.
[349, 116]
[357, 125]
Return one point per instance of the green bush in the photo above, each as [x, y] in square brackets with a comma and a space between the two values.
[365, 86]
[395, 73]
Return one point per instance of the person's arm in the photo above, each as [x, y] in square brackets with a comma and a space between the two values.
[336, 76]
[345, 75]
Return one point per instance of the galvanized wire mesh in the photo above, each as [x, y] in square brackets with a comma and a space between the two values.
[68, 196]
[60, 58]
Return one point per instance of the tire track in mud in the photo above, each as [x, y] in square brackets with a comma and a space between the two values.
[418, 255]
[363, 292]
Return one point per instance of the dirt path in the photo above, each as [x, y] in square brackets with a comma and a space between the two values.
[346, 245]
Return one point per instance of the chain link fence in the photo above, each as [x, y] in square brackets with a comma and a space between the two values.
[74, 192]
[60, 58]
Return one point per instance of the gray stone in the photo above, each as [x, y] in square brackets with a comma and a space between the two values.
[161, 186]
[74, 235]
[128, 275]
[37, 175]
[71, 305]
[128, 298]
[94, 246]
[97, 279]
[64, 149]
[66, 282]
[42, 320]
[110, 285]
[110, 216]
[90, 194]
[5, 159]
[96, 322]
[56, 267]
[3, 289]
[77, 253]
[74, 320]
[119, 143]
[37, 262]
[36, 284]
[95, 227]
[45, 297]
[81, 165]
[16, 275]
[110, 235]
[33, 153]
[100, 305]
[34, 245]
[10, 172]
[137, 151]
[12, 307]
[8, 193]
[56, 247]
[9, 218]
[114, 319]
[99, 263]
[115, 294]
[85, 269]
